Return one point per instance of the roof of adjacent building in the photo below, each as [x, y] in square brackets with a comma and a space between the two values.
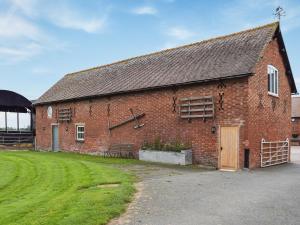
[296, 106]
[224, 57]
[13, 102]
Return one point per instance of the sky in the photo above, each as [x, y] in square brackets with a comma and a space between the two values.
[41, 41]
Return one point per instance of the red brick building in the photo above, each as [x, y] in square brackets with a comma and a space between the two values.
[296, 116]
[246, 76]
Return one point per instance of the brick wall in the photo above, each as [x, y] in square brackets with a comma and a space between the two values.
[246, 104]
[160, 120]
[269, 116]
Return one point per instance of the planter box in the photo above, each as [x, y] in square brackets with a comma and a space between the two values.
[180, 158]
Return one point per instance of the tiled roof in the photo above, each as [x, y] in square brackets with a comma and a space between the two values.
[296, 106]
[218, 58]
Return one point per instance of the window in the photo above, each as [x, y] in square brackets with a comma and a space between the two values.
[80, 132]
[272, 80]
[49, 112]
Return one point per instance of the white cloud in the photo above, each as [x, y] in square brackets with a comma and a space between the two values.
[179, 33]
[13, 26]
[145, 10]
[41, 70]
[21, 36]
[27, 7]
[69, 18]
[89, 26]
[60, 14]
[10, 55]
[20, 39]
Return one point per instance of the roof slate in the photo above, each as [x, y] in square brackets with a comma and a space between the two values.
[218, 58]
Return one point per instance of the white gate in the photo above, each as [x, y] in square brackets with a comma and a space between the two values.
[274, 153]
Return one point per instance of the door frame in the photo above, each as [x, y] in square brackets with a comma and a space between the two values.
[52, 125]
[238, 148]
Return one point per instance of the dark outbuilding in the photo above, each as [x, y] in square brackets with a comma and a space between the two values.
[14, 104]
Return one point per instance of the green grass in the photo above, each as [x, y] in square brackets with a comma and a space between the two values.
[61, 188]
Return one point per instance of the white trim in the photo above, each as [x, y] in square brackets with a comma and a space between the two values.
[80, 125]
[272, 94]
[274, 152]
[275, 78]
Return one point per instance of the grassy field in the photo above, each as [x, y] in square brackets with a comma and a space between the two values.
[61, 188]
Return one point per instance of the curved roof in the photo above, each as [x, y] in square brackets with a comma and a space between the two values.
[13, 102]
[224, 57]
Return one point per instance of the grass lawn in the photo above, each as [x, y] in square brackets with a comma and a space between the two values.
[61, 188]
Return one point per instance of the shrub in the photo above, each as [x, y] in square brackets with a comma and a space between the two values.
[172, 146]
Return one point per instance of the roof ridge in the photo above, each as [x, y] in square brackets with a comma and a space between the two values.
[178, 47]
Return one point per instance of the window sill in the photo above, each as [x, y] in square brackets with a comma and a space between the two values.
[80, 141]
[273, 95]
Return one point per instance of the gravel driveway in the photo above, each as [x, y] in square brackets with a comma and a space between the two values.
[191, 197]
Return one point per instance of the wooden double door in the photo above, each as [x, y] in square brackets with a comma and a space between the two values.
[229, 148]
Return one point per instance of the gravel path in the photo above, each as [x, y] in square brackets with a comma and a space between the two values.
[189, 197]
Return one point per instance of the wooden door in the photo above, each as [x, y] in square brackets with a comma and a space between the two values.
[229, 148]
[55, 138]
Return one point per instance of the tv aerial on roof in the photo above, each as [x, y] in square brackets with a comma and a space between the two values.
[279, 12]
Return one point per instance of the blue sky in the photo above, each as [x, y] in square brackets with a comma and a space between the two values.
[41, 40]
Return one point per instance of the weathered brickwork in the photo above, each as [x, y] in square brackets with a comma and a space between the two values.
[160, 120]
[246, 104]
[269, 116]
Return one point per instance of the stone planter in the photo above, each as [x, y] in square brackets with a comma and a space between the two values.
[183, 157]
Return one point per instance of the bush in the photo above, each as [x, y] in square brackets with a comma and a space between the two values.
[172, 146]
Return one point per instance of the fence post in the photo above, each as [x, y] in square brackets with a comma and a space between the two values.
[262, 152]
[288, 150]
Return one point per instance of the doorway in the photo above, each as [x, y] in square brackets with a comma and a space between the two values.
[229, 146]
[55, 138]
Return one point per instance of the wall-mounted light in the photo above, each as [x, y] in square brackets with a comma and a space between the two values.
[213, 129]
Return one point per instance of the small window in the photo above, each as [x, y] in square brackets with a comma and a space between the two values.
[272, 80]
[49, 112]
[80, 133]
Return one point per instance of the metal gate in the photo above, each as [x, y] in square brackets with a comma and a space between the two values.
[274, 152]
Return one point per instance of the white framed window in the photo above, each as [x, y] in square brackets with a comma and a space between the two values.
[80, 129]
[273, 80]
[49, 112]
